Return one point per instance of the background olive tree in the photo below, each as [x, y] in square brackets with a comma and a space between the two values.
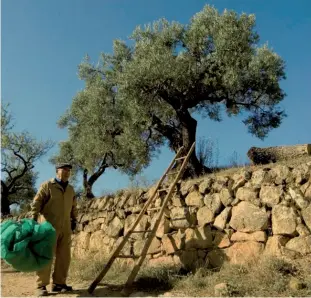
[144, 94]
[19, 152]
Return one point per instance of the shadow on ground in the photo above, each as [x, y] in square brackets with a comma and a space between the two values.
[110, 290]
[8, 271]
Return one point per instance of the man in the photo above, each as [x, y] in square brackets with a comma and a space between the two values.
[55, 202]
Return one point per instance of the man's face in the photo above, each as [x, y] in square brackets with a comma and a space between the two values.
[63, 173]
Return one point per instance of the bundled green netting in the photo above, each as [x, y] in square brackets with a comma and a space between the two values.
[26, 245]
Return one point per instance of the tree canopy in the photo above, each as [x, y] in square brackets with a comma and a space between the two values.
[102, 135]
[150, 86]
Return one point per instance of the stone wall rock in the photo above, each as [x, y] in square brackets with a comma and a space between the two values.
[247, 217]
[284, 220]
[210, 220]
[244, 252]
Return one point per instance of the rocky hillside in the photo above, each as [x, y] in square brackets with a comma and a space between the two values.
[234, 216]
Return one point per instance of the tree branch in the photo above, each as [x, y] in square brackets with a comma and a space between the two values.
[173, 134]
[99, 172]
[9, 172]
[27, 167]
[16, 188]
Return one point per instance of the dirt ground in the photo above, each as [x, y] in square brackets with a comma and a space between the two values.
[19, 284]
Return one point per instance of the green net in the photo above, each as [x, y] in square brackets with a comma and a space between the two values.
[26, 245]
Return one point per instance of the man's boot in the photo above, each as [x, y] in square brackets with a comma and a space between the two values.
[61, 288]
[42, 291]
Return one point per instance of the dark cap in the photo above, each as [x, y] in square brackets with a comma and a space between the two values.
[63, 165]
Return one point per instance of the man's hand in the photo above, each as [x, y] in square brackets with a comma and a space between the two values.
[73, 225]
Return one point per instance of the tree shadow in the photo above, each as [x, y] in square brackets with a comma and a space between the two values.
[113, 290]
[188, 262]
[102, 290]
[187, 251]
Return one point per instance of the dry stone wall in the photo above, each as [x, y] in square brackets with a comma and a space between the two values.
[209, 220]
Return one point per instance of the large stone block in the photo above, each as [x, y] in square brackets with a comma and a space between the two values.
[247, 217]
[221, 240]
[244, 252]
[205, 185]
[301, 173]
[284, 220]
[301, 245]
[306, 214]
[220, 183]
[213, 202]
[155, 246]
[259, 236]
[275, 244]
[199, 238]
[115, 227]
[281, 174]
[271, 195]
[222, 219]
[205, 216]
[194, 198]
[81, 244]
[172, 242]
[142, 225]
[248, 194]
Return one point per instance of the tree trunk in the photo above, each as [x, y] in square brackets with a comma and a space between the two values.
[87, 186]
[88, 182]
[88, 193]
[189, 127]
[5, 204]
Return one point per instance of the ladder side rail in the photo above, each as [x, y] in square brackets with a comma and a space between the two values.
[143, 211]
[127, 235]
[157, 223]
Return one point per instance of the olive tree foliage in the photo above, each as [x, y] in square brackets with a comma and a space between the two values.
[102, 135]
[212, 66]
[19, 152]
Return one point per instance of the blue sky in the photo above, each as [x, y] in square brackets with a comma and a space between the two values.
[43, 41]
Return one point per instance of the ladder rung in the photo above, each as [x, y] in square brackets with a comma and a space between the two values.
[145, 231]
[172, 173]
[126, 257]
[155, 208]
[140, 259]
[180, 158]
[162, 189]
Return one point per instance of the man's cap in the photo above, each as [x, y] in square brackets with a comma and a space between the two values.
[63, 165]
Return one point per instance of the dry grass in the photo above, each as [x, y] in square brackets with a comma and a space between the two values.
[149, 279]
[266, 278]
[231, 170]
[88, 268]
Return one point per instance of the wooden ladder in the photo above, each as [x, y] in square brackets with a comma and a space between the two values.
[139, 261]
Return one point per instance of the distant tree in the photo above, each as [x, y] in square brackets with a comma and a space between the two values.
[19, 152]
[234, 160]
[24, 189]
[208, 152]
[102, 135]
[211, 66]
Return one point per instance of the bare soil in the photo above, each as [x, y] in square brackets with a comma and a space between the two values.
[20, 284]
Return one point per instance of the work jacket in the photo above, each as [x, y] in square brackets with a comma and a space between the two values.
[54, 204]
